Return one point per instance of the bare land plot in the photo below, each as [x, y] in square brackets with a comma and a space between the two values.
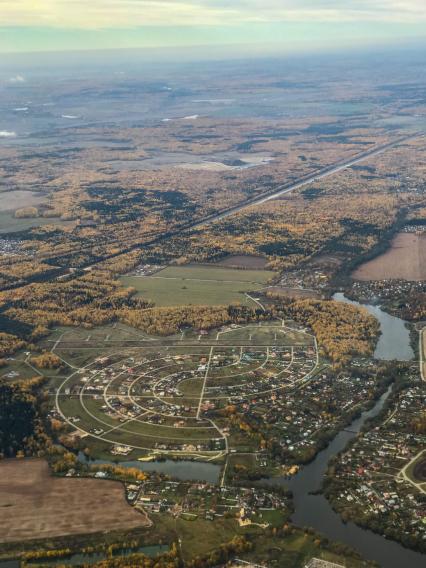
[294, 292]
[35, 505]
[419, 470]
[406, 259]
[243, 261]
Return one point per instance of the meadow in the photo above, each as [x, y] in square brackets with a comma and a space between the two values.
[198, 285]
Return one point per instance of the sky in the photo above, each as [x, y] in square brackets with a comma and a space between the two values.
[287, 25]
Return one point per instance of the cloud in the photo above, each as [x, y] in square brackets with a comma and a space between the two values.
[108, 14]
[7, 134]
[16, 79]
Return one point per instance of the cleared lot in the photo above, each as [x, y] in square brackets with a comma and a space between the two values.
[243, 261]
[35, 505]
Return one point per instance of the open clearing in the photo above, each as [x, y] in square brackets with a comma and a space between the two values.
[406, 260]
[11, 200]
[9, 223]
[294, 292]
[243, 261]
[156, 395]
[199, 285]
[35, 505]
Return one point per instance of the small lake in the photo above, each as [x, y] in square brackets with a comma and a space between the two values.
[184, 470]
[394, 341]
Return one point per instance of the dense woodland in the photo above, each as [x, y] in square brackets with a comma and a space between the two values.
[22, 430]
[342, 330]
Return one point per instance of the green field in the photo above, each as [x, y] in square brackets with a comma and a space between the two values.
[185, 285]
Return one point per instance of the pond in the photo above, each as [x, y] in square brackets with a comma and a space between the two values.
[184, 470]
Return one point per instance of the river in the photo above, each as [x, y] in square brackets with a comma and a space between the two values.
[394, 341]
[91, 558]
[314, 510]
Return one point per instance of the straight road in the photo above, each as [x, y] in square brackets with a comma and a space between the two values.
[306, 180]
[261, 198]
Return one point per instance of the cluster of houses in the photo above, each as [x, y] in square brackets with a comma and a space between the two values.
[386, 289]
[190, 500]
[305, 278]
[264, 372]
[152, 383]
[299, 417]
[10, 247]
[146, 269]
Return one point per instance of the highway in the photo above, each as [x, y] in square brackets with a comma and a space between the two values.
[306, 180]
[259, 199]
[267, 195]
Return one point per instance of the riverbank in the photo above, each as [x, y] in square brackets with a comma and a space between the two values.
[314, 510]
[367, 482]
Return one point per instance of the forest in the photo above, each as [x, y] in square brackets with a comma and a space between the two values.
[22, 431]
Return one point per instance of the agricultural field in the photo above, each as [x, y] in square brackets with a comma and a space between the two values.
[244, 261]
[405, 260]
[147, 395]
[34, 504]
[199, 284]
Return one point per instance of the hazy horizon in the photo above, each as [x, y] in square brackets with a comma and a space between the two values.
[29, 62]
[261, 26]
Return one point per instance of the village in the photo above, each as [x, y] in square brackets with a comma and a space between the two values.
[303, 419]
[189, 501]
[10, 247]
[171, 397]
[373, 482]
[177, 399]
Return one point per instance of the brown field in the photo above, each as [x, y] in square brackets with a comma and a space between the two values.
[294, 292]
[35, 505]
[243, 261]
[406, 259]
